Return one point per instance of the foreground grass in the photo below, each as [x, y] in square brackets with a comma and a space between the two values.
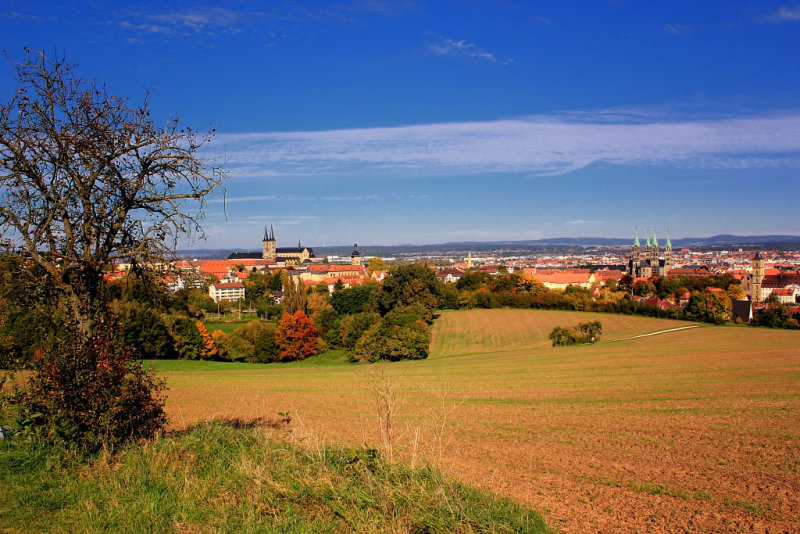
[223, 479]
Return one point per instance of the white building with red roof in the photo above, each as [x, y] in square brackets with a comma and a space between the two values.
[226, 291]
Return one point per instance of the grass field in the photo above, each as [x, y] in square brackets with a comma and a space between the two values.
[220, 477]
[691, 430]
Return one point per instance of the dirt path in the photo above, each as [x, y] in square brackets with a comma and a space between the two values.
[652, 333]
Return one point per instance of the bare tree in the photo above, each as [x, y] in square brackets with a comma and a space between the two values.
[87, 178]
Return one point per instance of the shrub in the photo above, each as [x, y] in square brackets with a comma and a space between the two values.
[385, 341]
[588, 332]
[89, 394]
[256, 340]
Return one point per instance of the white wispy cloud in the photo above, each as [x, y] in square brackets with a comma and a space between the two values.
[537, 145]
[187, 22]
[200, 18]
[676, 28]
[786, 13]
[450, 47]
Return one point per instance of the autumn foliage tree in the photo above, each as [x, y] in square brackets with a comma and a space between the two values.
[296, 337]
[209, 348]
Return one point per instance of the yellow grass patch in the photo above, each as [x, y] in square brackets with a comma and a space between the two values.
[471, 331]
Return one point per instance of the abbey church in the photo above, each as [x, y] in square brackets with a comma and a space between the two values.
[269, 251]
[645, 263]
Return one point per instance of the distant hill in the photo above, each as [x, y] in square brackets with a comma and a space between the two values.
[553, 245]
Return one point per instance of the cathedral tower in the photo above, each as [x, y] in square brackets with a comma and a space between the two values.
[654, 252]
[269, 247]
[667, 255]
[636, 249]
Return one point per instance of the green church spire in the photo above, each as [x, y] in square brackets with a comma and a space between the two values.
[648, 240]
[669, 243]
[636, 238]
[655, 241]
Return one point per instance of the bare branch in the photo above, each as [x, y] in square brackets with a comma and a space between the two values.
[86, 177]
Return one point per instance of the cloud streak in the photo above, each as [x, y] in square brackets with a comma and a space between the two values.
[450, 47]
[786, 14]
[537, 145]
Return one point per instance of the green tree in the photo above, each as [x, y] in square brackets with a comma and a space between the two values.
[145, 329]
[257, 286]
[384, 341]
[223, 343]
[409, 284]
[626, 283]
[644, 288]
[352, 327]
[708, 306]
[590, 330]
[201, 300]
[256, 340]
[187, 339]
[354, 300]
[473, 280]
[294, 294]
[276, 283]
[562, 336]
[377, 264]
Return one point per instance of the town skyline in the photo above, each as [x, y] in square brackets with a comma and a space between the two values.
[389, 123]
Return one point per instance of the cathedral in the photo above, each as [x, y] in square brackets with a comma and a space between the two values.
[645, 263]
[269, 251]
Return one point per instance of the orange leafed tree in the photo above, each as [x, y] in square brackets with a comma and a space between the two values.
[296, 336]
[209, 350]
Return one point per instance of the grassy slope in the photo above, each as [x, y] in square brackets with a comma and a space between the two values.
[219, 479]
[573, 430]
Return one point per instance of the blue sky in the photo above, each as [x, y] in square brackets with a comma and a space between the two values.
[387, 122]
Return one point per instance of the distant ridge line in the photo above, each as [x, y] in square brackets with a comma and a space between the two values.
[560, 243]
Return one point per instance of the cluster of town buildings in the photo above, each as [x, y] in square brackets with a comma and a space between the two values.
[761, 273]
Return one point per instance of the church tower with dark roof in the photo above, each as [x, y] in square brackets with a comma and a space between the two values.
[269, 247]
[355, 257]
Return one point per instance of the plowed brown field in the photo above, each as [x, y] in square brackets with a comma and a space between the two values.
[692, 430]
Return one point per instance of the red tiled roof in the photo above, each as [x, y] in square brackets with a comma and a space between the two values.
[608, 274]
[562, 278]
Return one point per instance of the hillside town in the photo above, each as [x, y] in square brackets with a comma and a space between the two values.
[763, 275]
